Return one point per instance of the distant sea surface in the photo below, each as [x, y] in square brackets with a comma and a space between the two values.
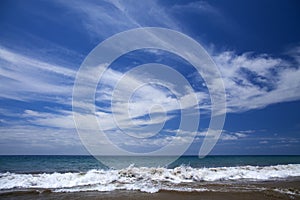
[57, 163]
[188, 173]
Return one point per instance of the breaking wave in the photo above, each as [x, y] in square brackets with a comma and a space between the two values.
[144, 179]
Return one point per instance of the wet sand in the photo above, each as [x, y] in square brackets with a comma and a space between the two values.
[133, 195]
[233, 191]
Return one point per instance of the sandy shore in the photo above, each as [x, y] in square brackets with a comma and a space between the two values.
[264, 190]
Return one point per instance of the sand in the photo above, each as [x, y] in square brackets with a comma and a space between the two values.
[233, 191]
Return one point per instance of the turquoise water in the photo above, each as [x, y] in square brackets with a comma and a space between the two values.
[49, 164]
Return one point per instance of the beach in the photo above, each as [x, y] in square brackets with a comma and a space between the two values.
[155, 99]
[272, 190]
[215, 177]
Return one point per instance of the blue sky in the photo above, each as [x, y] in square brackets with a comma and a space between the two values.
[255, 44]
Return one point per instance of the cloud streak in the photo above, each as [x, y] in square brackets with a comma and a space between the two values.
[105, 18]
[256, 81]
[252, 81]
[27, 78]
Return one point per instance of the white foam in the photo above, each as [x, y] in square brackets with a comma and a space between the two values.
[142, 178]
[287, 191]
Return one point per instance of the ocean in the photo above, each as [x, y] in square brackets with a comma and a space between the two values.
[73, 174]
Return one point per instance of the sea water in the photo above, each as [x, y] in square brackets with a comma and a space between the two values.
[85, 173]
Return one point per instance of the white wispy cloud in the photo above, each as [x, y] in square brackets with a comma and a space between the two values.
[177, 137]
[256, 81]
[251, 81]
[28, 139]
[262, 89]
[199, 7]
[105, 18]
[240, 89]
[24, 75]
[62, 119]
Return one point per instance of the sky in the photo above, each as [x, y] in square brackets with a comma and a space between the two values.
[255, 45]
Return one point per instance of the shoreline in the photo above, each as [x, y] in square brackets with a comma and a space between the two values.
[272, 190]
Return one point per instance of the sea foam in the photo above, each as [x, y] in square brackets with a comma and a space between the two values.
[143, 179]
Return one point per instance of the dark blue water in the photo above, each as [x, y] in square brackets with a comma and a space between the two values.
[49, 164]
[52, 163]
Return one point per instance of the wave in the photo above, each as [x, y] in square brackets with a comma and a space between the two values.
[144, 179]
